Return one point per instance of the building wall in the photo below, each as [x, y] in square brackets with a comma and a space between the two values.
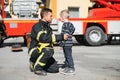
[64, 4]
[83, 6]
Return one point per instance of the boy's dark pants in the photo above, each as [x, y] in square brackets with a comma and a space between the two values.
[68, 56]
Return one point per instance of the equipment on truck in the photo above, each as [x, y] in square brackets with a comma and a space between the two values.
[24, 8]
[17, 18]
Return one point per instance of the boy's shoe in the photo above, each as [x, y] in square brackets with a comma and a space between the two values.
[68, 71]
[41, 72]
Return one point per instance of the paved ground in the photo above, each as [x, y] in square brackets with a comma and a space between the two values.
[91, 63]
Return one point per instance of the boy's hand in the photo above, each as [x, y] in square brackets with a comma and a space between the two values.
[66, 36]
[61, 48]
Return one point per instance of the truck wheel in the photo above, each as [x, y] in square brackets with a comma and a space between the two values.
[79, 39]
[94, 36]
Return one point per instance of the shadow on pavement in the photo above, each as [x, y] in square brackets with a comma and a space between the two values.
[11, 44]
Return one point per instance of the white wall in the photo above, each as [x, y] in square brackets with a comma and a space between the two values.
[83, 4]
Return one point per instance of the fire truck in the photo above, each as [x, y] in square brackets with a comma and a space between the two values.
[101, 25]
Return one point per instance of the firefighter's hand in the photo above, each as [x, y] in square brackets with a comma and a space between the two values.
[66, 36]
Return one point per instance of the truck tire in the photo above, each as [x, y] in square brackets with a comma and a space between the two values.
[94, 36]
[80, 39]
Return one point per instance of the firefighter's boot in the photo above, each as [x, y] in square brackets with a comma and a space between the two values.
[31, 66]
[41, 72]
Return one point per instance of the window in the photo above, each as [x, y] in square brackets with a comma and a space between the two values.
[74, 12]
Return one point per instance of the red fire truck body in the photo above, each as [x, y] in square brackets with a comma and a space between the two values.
[102, 24]
[19, 27]
[96, 31]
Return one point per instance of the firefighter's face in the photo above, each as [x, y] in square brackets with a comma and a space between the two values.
[48, 17]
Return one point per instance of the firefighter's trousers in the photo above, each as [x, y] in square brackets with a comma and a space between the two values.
[44, 60]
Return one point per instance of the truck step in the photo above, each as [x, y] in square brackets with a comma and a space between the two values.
[16, 48]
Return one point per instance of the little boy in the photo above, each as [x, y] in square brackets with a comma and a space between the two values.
[68, 28]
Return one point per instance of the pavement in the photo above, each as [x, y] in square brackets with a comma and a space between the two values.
[15, 66]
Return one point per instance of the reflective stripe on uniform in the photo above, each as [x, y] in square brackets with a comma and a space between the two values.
[53, 38]
[30, 52]
[39, 33]
[38, 61]
[42, 45]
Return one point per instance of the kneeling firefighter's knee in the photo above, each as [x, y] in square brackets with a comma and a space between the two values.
[48, 52]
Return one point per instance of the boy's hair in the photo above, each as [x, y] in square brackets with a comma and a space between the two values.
[44, 11]
[64, 13]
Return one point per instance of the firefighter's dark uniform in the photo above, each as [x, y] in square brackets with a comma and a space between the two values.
[41, 47]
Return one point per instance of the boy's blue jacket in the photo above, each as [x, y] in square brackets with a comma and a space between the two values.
[69, 28]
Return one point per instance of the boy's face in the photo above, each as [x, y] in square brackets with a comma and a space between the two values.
[64, 16]
[61, 18]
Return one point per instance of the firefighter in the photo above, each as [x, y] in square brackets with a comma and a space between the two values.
[41, 46]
